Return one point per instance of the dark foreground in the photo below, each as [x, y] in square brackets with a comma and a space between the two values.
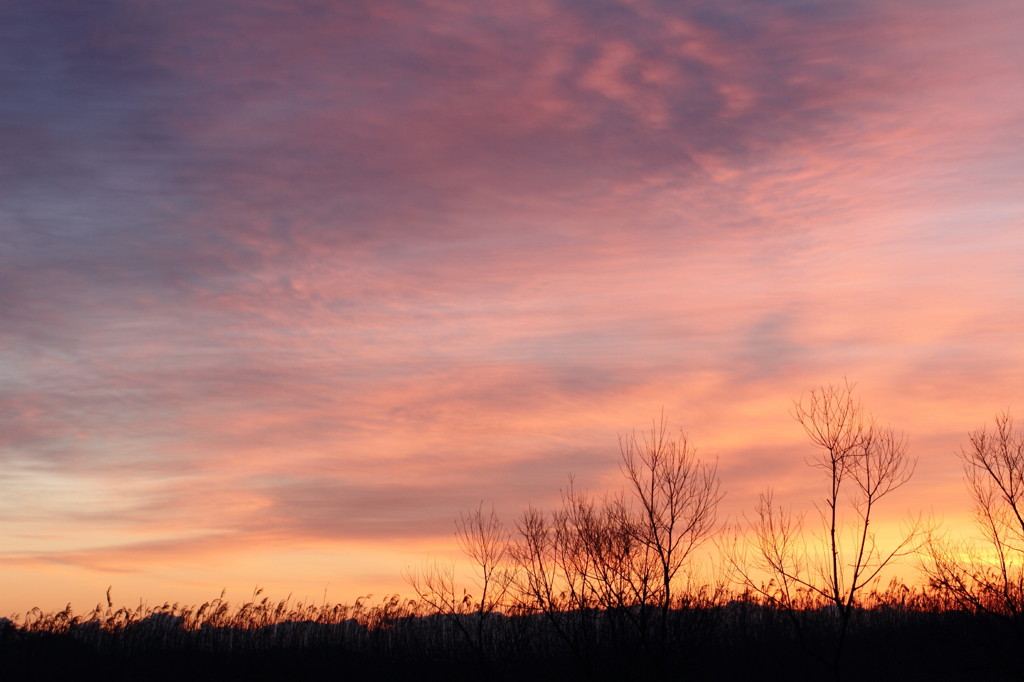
[734, 641]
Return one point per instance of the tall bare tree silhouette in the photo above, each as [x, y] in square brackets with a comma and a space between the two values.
[862, 464]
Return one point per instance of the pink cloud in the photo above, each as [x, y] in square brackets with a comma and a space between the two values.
[324, 277]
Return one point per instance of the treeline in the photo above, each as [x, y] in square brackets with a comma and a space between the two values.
[607, 587]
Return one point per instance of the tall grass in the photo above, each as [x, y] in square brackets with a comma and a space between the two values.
[713, 633]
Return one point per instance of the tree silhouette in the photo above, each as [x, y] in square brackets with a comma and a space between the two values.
[991, 581]
[678, 498]
[862, 464]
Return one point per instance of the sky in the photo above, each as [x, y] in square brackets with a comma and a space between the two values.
[285, 286]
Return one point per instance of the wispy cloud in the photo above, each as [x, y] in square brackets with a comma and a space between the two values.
[324, 273]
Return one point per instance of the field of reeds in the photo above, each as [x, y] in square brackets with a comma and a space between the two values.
[899, 633]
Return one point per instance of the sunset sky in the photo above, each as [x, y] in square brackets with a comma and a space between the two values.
[284, 286]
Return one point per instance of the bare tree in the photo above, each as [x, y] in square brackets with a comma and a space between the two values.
[436, 588]
[991, 580]
[863, 463]
[548, 578]
[617, 554]
[485, 541]
[536, 581]
[678, 498]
